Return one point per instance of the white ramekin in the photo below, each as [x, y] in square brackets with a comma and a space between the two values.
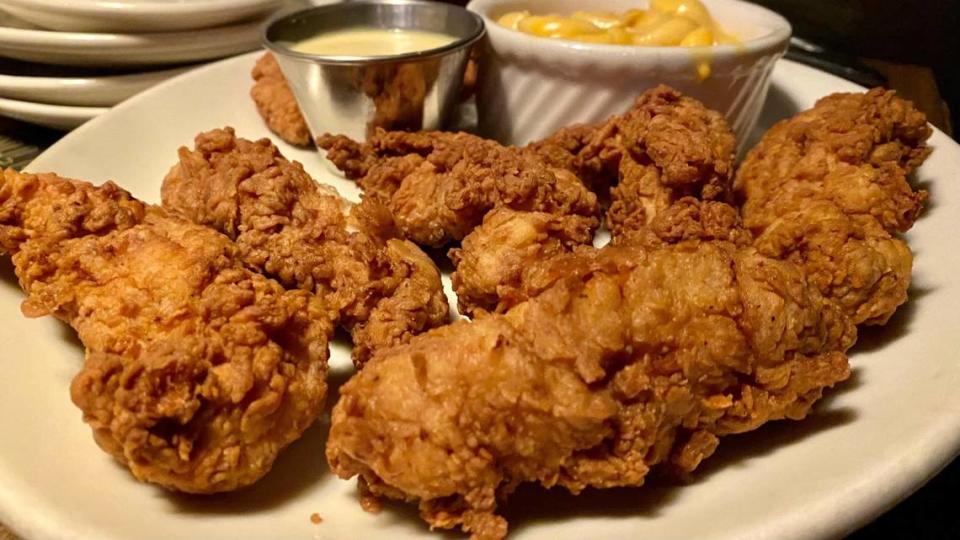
[531, 86]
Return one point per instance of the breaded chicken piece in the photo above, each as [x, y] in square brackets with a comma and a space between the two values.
[276, 103]
[285, 224]
[494, 257]
[854, 150]
[197, 372]
[673, 147]
[439, 186]
[664, 147]
[633, 356]
[591, 151]
[828, 189]
[851, 259]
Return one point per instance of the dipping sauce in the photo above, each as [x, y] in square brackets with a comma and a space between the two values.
[363, 41]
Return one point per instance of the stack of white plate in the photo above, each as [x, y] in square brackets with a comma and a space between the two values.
[66, 61]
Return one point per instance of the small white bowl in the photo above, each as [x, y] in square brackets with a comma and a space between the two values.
[531, 86]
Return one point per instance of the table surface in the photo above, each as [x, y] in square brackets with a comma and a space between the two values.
[928, 514]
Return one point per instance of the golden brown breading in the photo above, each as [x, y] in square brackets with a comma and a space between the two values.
[664, 147]
[439, 186]
[631, 357]
[305, 235]
[854, 150]
[673, 147]
[851, 259]
[197, 371]
[45, 205]
[574, 148]
[493, 258]
[276, 102]
[828, 189]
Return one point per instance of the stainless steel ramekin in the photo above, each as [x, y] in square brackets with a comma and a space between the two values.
[353, 95]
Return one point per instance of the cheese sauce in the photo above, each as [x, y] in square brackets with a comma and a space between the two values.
[372, 42]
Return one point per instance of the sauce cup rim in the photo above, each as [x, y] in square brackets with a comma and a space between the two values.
[476, 33]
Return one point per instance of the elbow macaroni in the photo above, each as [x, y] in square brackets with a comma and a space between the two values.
[685, 23]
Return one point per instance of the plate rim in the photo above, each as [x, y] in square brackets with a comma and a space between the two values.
[54, 116]
[53, 108]
[44, 39]
[28, 81]
[145, 7]
[83, 91]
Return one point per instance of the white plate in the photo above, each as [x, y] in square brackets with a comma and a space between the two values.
[21, 41]
[136, 15]
[83, 90]
[869, 443]
[63, 117]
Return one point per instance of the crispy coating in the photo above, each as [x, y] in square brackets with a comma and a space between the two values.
[664, 147]
[851, 259]
[276, 103]
[494, 257]
[383, 290]
[854, 150]
[631, 357]
[439, 186]
[583, 150]
[673, 147]
[829, 190]
[47, 206]
[197, 371]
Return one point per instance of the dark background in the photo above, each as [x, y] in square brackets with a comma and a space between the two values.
[924, 33]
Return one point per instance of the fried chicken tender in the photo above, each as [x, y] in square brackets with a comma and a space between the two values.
[285, 224]
[197, 372]
[439, 186]
[276, 103]
[828, 189]
[494, 257]
[673, 147]
[665, 147]
[588, 150]
[630, 357]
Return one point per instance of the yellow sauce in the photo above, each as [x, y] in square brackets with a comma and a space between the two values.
[372, 42]
[676, 23]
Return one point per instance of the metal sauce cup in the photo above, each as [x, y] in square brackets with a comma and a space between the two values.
[354, 95]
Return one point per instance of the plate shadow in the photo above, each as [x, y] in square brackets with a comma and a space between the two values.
[533, 504]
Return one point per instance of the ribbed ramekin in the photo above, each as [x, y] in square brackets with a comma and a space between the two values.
[530, 86]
